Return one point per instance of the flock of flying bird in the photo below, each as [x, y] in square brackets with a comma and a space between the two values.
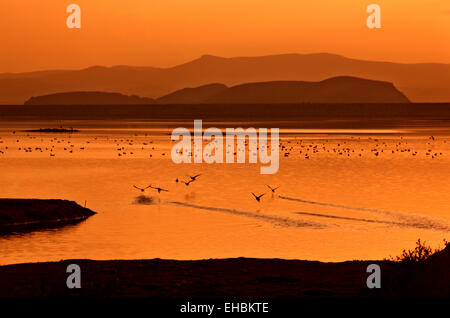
[194, 178]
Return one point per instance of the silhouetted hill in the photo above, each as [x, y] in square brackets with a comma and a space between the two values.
[87, 98]
[333, 90]
[195, 95]
[423, 82]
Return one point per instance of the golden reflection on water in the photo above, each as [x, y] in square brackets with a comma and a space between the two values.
[342, 202]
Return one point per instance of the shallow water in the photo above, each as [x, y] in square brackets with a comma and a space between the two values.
[344, 202]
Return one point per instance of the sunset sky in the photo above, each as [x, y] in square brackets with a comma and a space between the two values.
[34, 35]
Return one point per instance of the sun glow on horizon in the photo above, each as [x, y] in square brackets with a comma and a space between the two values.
[166, 33]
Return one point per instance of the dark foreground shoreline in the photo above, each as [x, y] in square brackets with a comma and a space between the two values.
[239, 278]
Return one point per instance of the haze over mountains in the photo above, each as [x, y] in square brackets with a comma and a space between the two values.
[343, 89]
[424, 82]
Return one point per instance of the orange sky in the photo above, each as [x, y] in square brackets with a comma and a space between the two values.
[34, 36]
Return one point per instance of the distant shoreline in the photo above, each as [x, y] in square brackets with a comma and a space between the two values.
[52, 130]
[363, 113]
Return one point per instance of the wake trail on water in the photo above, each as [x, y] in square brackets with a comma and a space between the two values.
[264, 217]
[333, 205]
[408, 220]
[348, 218]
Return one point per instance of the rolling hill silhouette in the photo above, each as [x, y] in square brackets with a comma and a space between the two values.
[342, 89]
[333, 90]
[424, 82]
[195, 95]
[87, 98]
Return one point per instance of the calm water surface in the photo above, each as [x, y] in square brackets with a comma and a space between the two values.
[344, 202]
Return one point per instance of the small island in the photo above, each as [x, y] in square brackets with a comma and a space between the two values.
[28, 214]
[53, 130]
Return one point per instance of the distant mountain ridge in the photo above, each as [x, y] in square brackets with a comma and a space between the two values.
[423, 82]
[343, 89]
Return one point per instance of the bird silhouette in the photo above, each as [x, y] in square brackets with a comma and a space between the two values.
[195, 177]
[272, 189]
[159, 189]
[188, 182]
[142, 189]
[258, 197]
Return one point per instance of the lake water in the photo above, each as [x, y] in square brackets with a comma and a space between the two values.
[343, 203]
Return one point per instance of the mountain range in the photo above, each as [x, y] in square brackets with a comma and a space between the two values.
[343, 89]
[422, 82]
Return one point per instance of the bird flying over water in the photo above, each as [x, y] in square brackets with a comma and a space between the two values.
[195, 177]
[142, 189]
[258, 197]
[272, 189]
[188, 182]
[159, 189]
